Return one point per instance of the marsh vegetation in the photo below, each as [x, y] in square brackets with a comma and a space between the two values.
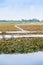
[21, 45]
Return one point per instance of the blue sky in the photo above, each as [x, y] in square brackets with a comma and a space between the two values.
[19, 9]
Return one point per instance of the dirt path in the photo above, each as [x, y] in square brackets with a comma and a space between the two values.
[19, 28]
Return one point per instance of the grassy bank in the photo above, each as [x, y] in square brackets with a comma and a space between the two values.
[21, 45]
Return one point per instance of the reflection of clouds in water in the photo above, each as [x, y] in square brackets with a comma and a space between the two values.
[38, 63]
[22, 59]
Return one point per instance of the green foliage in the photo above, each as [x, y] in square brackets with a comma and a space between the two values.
[21, 45]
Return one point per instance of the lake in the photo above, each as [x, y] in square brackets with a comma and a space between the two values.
[22, 59]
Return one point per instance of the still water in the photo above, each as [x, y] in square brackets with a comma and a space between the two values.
[22, 59]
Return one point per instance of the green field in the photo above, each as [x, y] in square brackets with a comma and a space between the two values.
[21, 22]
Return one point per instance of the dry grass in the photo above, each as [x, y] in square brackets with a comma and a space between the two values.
[32, 27]
[8, 27]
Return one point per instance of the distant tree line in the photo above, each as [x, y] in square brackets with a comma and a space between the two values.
[31, 20]
[22, 20]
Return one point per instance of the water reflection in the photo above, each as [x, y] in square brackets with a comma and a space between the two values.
[22, 59]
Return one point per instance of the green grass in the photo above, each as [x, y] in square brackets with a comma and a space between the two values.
[21, 22]
[13, 22]
[21, 45]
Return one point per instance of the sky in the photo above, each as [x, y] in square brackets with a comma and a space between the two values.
[21, 9]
